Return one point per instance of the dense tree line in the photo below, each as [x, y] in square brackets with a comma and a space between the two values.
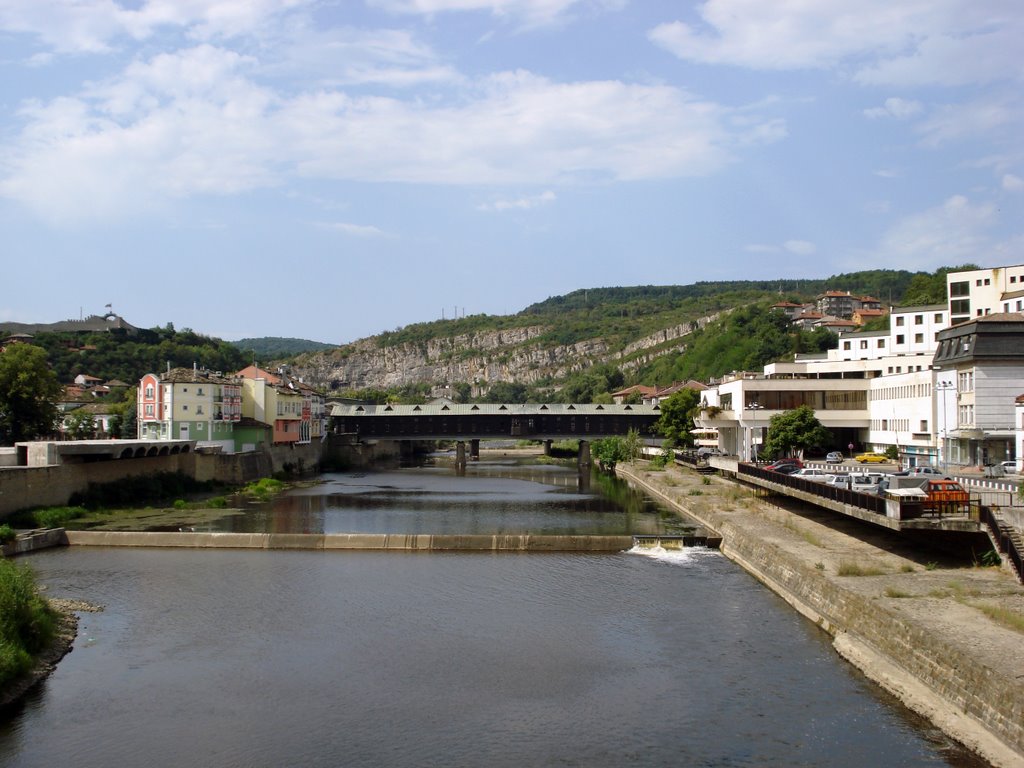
[270, 348]
[129, 356]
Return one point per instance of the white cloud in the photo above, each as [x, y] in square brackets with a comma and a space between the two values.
[197, 122]
[1012, 183]
[949, 42]
[522, 203]
[96, 26]
[952, 233]
[355, 230]
[901, 109]
[988, 115]
[531, 12]
[761, 248]
[800, 247]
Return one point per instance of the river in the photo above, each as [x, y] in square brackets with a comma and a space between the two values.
[271, 658]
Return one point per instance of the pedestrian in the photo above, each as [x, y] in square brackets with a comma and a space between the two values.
[850, 446]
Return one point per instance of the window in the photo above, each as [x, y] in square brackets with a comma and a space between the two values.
[864, 344]
[199, 410]
[149, 410]
[846, 345]
[900, 339]
[937, 318]
[960, 307]
[918, 319]
[881, 343]
[960, 289]
[184, 407]
[987, 281]
[899, 321]
[919, 338]
[1013, 278]
[149, 391]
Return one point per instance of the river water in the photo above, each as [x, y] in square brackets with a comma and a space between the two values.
[281, 658]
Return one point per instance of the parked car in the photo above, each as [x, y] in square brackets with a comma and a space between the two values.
[786, 469]
[866, 483]
[809, 473]
[835, 457]
[1009, 467]
[705, 451]
[838, 480]
[929, 471]
[791, 462]
[872, 458]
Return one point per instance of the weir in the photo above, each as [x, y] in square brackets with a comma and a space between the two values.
[676, 541]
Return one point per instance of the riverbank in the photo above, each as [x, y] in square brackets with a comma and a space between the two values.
[925, 628]
[60, 646]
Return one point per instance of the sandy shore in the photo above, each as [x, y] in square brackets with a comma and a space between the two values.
[920, 588]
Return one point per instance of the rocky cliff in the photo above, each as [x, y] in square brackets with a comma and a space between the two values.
[514, 355]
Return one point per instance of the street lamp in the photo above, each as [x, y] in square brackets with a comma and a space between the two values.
[753, 407]
[944, 387]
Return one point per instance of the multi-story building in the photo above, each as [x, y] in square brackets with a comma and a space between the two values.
[980, 292]
[981, 363]
[189, 404]
[273, 400]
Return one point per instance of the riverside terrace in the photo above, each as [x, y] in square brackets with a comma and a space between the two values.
[973, 523]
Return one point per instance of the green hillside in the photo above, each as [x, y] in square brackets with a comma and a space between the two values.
[278, 347]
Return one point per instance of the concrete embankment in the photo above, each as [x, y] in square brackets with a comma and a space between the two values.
[977, 700]
[352, 541]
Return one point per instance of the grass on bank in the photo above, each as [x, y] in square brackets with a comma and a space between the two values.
[27, 623]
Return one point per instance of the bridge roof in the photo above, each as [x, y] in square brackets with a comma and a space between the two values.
[494, 409]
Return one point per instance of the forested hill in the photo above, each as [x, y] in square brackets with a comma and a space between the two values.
[270, 348]
[608, 336]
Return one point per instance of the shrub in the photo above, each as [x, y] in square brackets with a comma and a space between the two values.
[7, 534]
[27, 623]
[48, 517]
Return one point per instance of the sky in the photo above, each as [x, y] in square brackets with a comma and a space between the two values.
[333, 169]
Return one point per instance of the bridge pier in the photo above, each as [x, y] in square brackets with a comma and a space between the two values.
[583, 457]
[460, 456]
[547, 447]
[474, 449]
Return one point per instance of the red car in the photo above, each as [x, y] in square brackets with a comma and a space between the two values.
[781, 464]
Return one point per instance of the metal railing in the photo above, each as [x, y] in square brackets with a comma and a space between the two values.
[1004, 540]
[869, 501]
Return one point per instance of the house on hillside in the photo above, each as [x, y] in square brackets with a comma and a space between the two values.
[638, 391]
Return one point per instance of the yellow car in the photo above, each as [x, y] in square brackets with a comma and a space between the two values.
[864, 458]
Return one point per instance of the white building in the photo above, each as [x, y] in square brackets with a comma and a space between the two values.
[939, 393]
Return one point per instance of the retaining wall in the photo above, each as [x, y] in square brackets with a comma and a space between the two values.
[962, 697]
[53, 485]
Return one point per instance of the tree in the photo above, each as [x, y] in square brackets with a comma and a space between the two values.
[676, 419]
[28, 394]
[81, 425]
[795, 430]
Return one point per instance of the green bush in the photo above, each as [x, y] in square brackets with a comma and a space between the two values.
[48, 517]
[27, 623]
[7, 534]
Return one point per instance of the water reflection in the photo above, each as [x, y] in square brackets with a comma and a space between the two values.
[489, 498]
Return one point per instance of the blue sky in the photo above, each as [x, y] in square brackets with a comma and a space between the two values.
[333, 169]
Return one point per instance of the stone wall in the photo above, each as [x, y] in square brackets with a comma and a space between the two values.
[26, 487]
